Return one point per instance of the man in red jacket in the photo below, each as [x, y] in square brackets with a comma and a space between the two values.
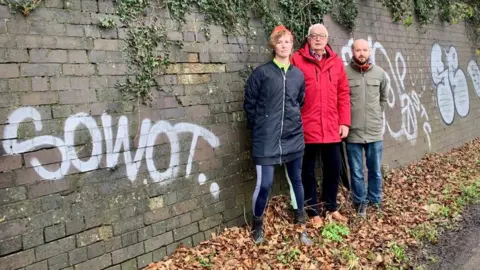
[325, 117]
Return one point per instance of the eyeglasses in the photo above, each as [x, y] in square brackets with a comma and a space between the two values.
[315, 36]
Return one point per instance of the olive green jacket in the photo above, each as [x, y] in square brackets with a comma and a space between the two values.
[368, 97]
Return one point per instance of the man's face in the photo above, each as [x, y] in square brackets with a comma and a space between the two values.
[361, 51]
[318, 38]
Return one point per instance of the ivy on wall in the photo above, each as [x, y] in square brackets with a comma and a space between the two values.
[24, 6]
[146, 28]
[233, 16]
[425, 11]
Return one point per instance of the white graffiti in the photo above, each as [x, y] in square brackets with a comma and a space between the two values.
[147, 140]
[451, 84]
[409, 101]
[474, 73]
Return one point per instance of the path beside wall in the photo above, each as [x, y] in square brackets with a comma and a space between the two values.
[88, 183]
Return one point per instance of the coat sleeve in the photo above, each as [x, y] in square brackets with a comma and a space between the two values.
[252, 88]
[343, 100]
[301, 93]
[383, 92]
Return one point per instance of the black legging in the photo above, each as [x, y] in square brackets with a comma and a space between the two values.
[265, 181]
[331, 161]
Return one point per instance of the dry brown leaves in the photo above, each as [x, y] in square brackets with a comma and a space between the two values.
[407, 192]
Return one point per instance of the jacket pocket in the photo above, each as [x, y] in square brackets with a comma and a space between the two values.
[373, 82]
[357, 105]
[373, 93]
[373, 86]
[354, 84]
[375, 121]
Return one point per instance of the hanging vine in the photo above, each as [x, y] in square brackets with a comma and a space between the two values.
[232, 16]
[146, 27]
[298, 15]
[402, 11]
[144, 35]
[345, 13]
[425, 11]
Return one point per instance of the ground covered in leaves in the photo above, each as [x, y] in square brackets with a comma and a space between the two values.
[421, 200]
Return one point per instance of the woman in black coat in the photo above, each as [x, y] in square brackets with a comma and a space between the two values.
[274, 95]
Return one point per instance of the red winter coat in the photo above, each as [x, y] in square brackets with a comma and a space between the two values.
[327, 95]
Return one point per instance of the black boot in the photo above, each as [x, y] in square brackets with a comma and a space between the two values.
[257, 229]
[299, 219]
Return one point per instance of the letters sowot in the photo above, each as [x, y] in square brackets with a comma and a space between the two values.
[148, 134]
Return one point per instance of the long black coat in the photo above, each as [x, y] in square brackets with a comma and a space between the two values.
[272, 104]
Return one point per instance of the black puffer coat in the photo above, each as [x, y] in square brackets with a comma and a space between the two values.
[272, 104]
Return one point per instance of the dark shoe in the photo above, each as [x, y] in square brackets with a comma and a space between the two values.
[298, 217]
[257, 229]
[362, 210]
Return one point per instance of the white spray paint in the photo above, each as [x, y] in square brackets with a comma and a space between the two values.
[474, 73]
[147, 138]
[410, 102]
[450, 83]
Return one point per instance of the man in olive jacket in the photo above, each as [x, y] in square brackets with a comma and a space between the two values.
[368, 90]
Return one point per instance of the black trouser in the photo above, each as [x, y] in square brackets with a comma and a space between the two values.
[331, 161]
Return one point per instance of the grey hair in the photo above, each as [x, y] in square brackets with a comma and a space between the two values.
[315, 25]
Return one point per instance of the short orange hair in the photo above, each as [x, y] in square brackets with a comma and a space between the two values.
[277, 33]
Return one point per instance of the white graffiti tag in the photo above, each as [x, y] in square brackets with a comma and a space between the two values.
[409, 101]
[474, 73]
[147, 140]
[450, 83]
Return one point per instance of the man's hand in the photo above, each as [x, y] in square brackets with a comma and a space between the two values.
[343, 131]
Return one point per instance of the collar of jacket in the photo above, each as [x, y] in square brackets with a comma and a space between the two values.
[271, 62]
[328, 56]
[358, 68]
[280, 65]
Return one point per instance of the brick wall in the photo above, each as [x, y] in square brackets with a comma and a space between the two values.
[88, 183]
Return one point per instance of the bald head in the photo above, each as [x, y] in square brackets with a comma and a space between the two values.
[360, 42]
[361, 51]
[317, 38]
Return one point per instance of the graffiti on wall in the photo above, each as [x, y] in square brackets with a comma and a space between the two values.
[450, 83]
[409, 101]
[474, 73]
[148, 135]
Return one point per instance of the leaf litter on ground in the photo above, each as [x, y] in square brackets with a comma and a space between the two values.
[418, 199]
